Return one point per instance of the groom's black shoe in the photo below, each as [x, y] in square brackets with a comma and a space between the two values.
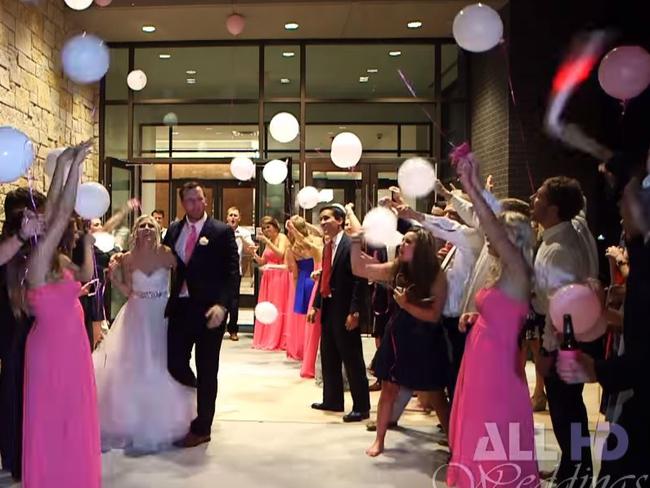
[329, 408]
[192, 440]
[356, 416]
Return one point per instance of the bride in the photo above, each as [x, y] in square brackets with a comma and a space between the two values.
[142, 408]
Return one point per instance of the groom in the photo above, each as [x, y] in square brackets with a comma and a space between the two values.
[202, 285]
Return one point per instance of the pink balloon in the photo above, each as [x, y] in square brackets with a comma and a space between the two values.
[103, 3]
[582, 303]
[625, 72]
[235, 24]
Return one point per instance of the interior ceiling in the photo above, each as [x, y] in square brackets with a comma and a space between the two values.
[319, 19]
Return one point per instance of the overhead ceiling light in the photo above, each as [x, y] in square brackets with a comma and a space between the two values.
[164, 56]
[191, 81]
[373, 70]
[148, 28]
[208, 128]
[363, 79]
[175, 133]
[291, 26]
[190, 72]
[285, 81]
[288, 54]
[394, 53]
[414, 24]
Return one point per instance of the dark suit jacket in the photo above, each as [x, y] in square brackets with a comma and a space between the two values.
[212, 270]
[346, 288]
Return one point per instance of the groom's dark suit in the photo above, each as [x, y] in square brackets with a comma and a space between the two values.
[210, 275]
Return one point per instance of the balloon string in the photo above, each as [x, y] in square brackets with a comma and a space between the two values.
[409, 87]
[504, 50]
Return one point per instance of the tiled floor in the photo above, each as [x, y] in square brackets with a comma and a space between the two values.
[265, 433]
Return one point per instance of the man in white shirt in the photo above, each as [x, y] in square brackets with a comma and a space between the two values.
[159, 216]
[244, 241]
[561, 260]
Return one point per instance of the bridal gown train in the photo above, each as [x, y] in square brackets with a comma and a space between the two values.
[142, 408]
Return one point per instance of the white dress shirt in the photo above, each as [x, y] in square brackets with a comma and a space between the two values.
[242, 236]
[182, 239]
[335, 244]
[560, 260]
[467, 242]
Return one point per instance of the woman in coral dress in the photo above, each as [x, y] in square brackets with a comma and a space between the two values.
[61, 427]
[303, 258]
[274, 286]
[491, 402]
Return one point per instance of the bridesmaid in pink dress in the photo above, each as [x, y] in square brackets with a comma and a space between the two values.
[274, 286]
[303, 257]
[61, 426]
[492, 401]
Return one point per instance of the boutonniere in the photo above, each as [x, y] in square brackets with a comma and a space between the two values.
[203, 241]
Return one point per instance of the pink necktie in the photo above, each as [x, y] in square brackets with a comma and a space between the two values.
[190, 243]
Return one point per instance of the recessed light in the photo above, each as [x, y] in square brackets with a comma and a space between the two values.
[373, 70]
[363, 79]
[148, 28]
[175, 133]
[285, 81]
[164, 56]
[191, 81]
[190, 72]
[394, 53]
[288, 54]
[291, 26]
[208, 128]
[342, 127]
[414, 24]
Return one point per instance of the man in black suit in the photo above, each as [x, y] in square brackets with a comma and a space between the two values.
[339, 298]
[202, 287]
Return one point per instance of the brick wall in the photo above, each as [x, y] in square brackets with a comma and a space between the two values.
[35, 97]
[490, 114]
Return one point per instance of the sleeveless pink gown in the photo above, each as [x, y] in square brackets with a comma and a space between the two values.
[492, 402]
[275, 287]
[312, 339]
[61, 421]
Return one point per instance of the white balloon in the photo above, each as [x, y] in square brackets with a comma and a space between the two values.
[284, 127]
[308, 197]
[266, 313]
[380, 226]
[242, 168]
[136, 79]
[275, 172]
[85, 59]
[104, 241]
[16, 154]
[395, 239]
[477, 28]
[326, 195]
[346, 150]
[416, 177]
[93, 200]
[170, 119]
[78, 4]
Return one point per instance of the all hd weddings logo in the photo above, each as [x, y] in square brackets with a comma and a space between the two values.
[501, 459]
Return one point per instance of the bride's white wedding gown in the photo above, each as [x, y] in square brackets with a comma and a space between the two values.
[141, 406]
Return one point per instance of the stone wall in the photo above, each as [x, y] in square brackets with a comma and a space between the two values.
[35, 97]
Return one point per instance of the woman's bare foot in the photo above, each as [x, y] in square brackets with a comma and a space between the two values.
[376, 449]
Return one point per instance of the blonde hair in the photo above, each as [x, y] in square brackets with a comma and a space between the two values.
[300, 225]
[133, 238]
[520, 234]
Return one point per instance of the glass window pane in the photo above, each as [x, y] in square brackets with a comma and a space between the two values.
[201, 131]
[155, 171]
[271, 109]
[369, 71]
[273, 204]
[116, 131]
[453, 71]
[116, 87]
[218, 72]
[346, 187]
[375, 138]
[155, 196]
[415, 138]
[454, 124]
[202, 172]
[281, 71]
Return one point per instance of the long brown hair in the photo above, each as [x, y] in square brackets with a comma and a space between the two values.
[418, 275]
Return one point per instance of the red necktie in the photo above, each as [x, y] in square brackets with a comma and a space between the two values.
[325, 289]
[190, 243]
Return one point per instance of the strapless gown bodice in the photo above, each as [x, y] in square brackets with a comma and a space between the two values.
[156, 282]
